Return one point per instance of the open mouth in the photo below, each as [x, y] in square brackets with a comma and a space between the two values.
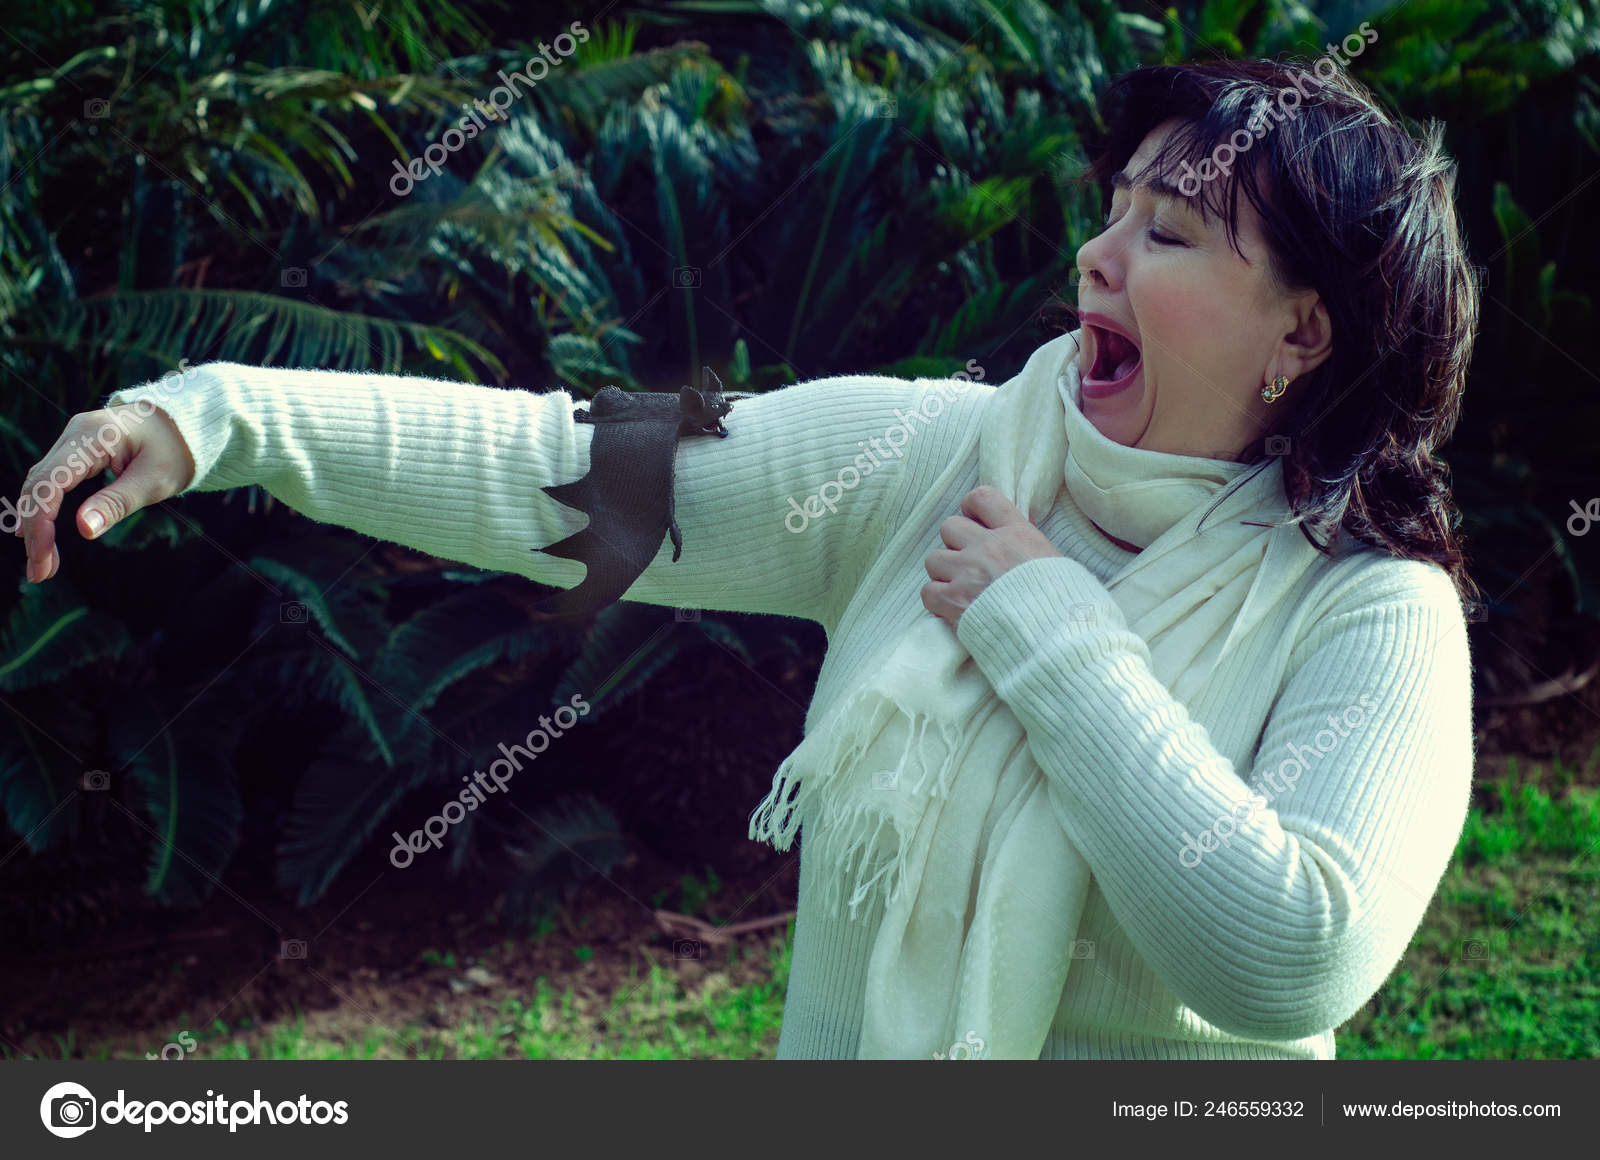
[1117, 360]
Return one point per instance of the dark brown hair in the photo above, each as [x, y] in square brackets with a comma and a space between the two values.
[1357, 207]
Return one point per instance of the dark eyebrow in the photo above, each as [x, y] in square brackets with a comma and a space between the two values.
[1159, 186]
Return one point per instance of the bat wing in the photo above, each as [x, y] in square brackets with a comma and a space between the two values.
[627, 491]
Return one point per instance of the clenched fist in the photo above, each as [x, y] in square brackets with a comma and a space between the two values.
[147, 452]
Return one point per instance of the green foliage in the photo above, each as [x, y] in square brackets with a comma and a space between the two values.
[1515, 84]
[697, 893]
[618, 657]
[51, 633]
[780, 189]
[555, 851]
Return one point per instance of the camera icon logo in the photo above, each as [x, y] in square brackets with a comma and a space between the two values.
[292, 948]
[1277, 445]
[685, 614]
[1473, 949]
[686, 948]
[96, 779]
[686, 277]
[885, 108]
[67, 1110]
[292, 612]
[1082, 948]
[1477, 612]
[96, 107]
[294, 276]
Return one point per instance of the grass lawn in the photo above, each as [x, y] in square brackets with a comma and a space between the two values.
[655, 1014]
[1506, 965]
[654, 1017]
[1507, 962]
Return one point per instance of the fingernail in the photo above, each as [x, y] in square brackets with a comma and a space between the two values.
[94, 521]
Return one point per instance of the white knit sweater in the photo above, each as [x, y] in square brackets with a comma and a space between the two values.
[1235, 912]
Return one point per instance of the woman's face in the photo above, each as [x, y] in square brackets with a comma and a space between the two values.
[1208, 328]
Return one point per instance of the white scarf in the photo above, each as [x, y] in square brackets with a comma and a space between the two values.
[977, 936]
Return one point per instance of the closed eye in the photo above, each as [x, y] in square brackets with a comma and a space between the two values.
[1161, 239]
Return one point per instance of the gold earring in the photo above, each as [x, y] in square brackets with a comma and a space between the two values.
[1279, 385]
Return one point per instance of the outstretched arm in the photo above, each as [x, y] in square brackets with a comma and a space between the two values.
[458, 471]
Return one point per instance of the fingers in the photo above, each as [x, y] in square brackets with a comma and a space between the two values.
[989, 506]
[960, 531]
[142, 484]
[79, 452]
[90, 443]
[941, 564]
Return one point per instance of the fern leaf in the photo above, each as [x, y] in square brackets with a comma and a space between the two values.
[558, 846]
[451, 639]
[38, 776]
[235, 325]
[341, 610]
[51, 632]
[339, 802]
[628, 644]
[188, 787]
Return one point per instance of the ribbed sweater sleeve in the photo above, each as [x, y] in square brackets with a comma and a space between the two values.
[455, 470]
[1285, 930]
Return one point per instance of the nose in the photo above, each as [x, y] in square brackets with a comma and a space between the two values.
[1100, 259]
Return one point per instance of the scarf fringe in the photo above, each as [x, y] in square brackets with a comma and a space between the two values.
[854, 826]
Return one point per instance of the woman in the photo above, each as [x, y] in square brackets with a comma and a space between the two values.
[1144, 728]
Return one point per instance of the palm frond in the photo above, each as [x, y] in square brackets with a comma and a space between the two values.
[329, 606]
[584, 90]
[188, 786]
[52, 632]
[339, 802]
[628, 643]
[451, 639]
[41, 783]
[243, 326]
[558, 846]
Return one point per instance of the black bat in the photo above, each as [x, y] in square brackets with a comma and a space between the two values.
[628, 491]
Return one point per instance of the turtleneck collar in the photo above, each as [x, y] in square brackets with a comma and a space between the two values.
[1133, 493]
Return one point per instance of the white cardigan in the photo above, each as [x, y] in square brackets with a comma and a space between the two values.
[1234, 912]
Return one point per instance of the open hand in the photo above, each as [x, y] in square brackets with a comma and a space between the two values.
[146, 450]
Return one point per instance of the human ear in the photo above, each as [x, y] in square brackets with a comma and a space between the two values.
[1307, 346]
